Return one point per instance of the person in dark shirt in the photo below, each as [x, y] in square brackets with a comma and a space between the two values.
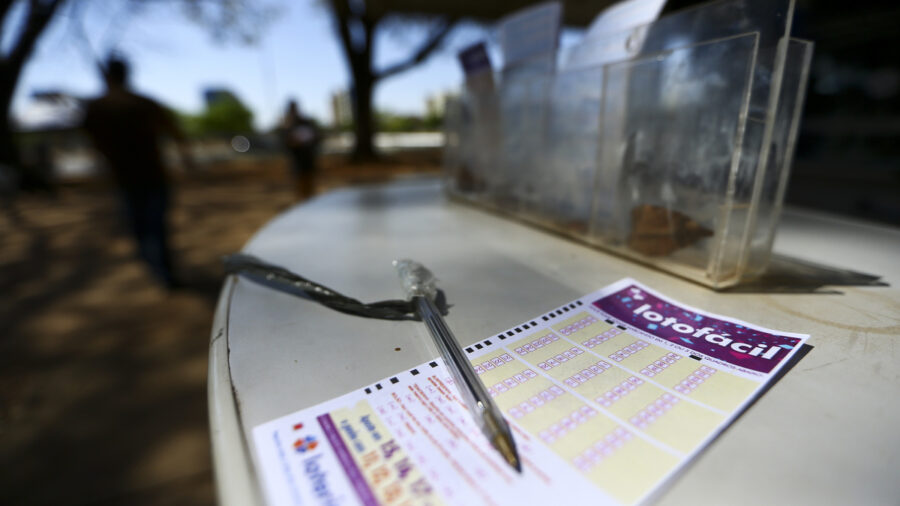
[301, 138]
[126, 128]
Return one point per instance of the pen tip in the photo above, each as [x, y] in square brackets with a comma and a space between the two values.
[514, 462]
[508, 450]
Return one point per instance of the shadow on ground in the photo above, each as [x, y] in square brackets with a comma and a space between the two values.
[102, 372]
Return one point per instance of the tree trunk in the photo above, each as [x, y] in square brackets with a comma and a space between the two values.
[356, 28]
[364, 80]
[9, 155]
[363, 122]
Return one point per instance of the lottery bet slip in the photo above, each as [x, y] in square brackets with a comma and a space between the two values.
[608, 397]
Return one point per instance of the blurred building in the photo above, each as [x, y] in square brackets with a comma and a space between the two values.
[50, 142]
[436, 104]
[341, 108]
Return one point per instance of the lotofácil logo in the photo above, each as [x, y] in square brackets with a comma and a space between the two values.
[706, 333]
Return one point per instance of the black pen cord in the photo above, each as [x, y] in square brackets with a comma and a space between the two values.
[283, 280]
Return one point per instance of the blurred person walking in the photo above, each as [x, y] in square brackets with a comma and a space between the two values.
[127, 129]
[301, 137]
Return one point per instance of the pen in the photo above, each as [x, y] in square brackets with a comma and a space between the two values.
[420, 286]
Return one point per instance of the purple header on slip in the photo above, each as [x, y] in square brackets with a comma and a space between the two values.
[343, 454]
[723, 340]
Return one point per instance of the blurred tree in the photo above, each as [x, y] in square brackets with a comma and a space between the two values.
[226, 115]
[433, 120]
[389, 122]
[26, 21]
[357, 23]
[189, 123]
[38, 16]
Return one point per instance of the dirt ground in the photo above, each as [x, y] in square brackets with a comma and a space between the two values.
[102, 371]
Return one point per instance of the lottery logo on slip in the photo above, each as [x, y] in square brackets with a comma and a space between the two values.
[305, 444]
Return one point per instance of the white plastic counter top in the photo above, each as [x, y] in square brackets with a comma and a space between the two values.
[827, 433]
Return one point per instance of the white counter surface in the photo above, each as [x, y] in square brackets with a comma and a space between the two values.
[827, 433]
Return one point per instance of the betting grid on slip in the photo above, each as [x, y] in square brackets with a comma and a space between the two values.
[608, 397]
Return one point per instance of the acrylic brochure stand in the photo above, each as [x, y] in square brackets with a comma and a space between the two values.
[669, 143]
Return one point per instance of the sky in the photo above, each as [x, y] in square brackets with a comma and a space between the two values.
[174, 60]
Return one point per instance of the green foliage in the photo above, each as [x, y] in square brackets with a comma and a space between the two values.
[224, 116]
[189, 123]
[389, 122]
[433, 121]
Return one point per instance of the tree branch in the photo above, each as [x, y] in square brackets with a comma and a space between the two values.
[39, 15]
[5, 5]
[342, 17]
[430, 44]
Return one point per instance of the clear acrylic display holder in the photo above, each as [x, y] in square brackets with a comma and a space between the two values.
[471, 156]
[523, 104]
[675, 154]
